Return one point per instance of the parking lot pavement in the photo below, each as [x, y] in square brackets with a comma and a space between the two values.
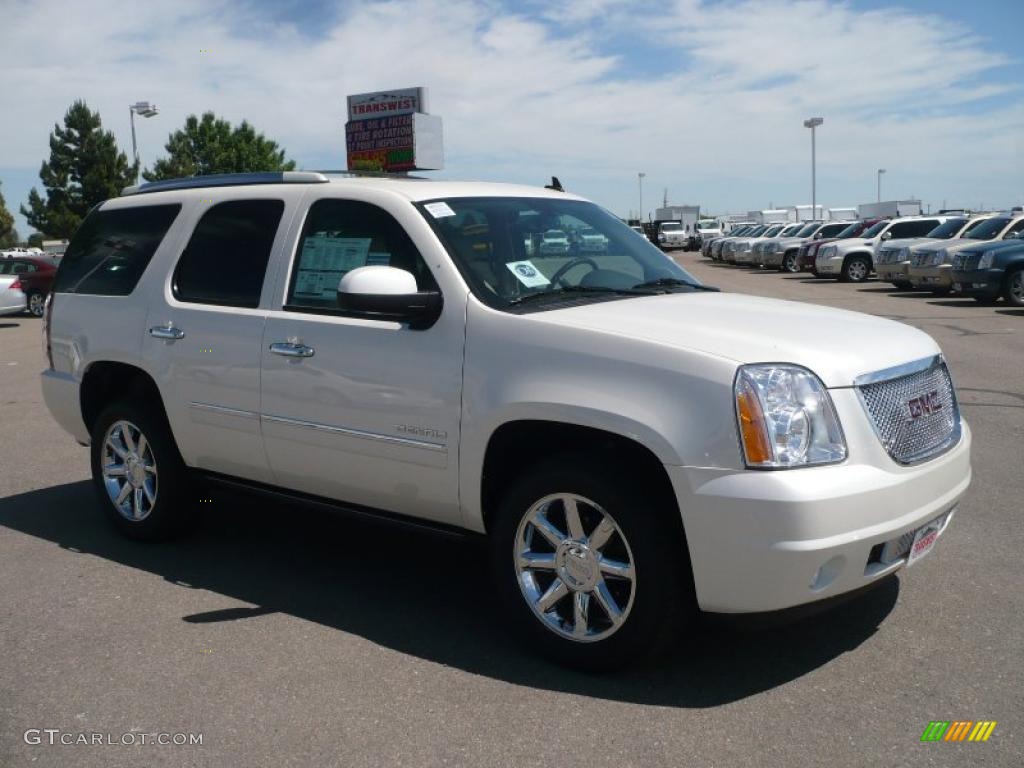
[288, 637]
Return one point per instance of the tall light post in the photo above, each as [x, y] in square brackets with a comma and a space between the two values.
[143, 109]
[640, 185]
[880, 172]
[813, 123]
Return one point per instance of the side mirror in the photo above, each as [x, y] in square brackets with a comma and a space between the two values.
[886, 235]
[388, 293]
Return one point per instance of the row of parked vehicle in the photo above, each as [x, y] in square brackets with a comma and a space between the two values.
[26, 278]
[980, 255]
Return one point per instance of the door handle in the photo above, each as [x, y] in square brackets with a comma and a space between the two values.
[166, 332]
[290, 349]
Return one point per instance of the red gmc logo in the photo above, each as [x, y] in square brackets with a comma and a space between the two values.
[924, 405]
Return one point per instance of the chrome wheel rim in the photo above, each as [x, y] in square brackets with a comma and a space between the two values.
[575, 568]
[36, 304]
[129, 471]
[858, 270]
[790, 263]
[1017, 287]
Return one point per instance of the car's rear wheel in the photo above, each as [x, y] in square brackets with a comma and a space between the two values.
[138, 475]
[1014, 290]
[591, 575]
[790, 263]
[36, 304]
[855, 269]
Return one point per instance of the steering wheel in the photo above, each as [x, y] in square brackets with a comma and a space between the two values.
[560, 273]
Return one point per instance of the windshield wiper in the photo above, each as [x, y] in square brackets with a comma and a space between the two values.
[634, 291]
[668, 282]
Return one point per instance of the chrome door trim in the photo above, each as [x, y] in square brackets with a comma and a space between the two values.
[356, 433]
[223, 409]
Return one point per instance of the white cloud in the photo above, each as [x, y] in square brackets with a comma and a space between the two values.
[522, 98]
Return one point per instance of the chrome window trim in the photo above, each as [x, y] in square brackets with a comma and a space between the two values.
[223, 409]
[356, 433]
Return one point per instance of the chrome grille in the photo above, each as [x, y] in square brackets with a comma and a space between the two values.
[913, 409]
[887, 255]
[966, 262]
[921, 258]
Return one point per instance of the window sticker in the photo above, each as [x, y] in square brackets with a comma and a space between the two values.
[439, 210]
[324, 261]
[527, 274]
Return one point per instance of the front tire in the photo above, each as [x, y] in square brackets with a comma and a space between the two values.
[790, 263]
[139, 477]
[1014, 291]
[36, 304]
[856, 269]
[591, 576]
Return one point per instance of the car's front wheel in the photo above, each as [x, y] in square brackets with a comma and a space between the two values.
[590, 574]
[855, 269]
[790, 263]
[1014, 292]
[138, 474]
[36, 304]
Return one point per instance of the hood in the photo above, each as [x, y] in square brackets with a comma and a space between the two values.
[836, 344]
[907, 242]
[960, 243]
[855, 244]
[980, 246]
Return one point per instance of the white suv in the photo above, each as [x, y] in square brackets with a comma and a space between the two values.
[852, 260]
[634, 445]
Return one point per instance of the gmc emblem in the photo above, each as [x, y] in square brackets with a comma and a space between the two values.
[924, 405]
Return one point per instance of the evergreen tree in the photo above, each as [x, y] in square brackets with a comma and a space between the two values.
[85, 168]
[211, 145]
[8, 234]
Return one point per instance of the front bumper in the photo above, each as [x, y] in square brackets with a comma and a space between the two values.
[980, 282]
[832, 265]
[893, 273]
[744, 257]
[769, 540]
[940, 276]
[772, 259]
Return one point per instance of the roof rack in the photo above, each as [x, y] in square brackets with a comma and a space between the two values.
[228, 180]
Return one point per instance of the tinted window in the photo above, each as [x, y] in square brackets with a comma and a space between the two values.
[225, 261]
[111, 249]
[948, 229]
[914, 228]
[341, 235]
[16, 267]
[831, 230]
[988, 229]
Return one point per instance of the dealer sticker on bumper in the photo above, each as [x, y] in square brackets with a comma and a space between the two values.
[924, 539]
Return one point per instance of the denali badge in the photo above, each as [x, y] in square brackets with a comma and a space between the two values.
[924, 405]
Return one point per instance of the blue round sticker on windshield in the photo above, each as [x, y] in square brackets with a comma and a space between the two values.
[526, 270]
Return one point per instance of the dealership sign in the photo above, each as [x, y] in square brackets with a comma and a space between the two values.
[390, 131]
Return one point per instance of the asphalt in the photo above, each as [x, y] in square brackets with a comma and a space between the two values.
[288, 637]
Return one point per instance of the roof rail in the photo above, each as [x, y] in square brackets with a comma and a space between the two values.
[228, 180]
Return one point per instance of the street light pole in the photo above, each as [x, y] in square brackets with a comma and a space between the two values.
[145, 109]
[880, 172]
[813, 123]
[640, 184]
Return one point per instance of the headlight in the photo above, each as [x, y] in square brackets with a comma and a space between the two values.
[939, 257]
[786, 418]
[904, 254]
[987, 258]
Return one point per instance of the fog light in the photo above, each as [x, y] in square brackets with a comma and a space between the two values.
[825, 575]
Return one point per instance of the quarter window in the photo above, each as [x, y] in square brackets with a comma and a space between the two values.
[225, 261]
[342, 235]
[110, 251]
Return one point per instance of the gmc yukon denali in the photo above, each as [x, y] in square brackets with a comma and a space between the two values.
[635, 446]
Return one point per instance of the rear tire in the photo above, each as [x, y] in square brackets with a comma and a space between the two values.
[139, 477]
[1013, 291]
[36, 304]
[603, 593]
[790, 264]
[856, 269]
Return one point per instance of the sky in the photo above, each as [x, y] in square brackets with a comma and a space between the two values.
[706, 98]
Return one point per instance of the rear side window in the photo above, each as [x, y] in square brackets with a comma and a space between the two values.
[225, 261]
[110, 251]
[915, 228]
[341, 235]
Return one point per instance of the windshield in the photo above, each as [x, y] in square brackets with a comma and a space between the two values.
[772, 232]
[877, 229]
[947, 229]
[807, 231]
[988, 229]
[791, 230]
[498, 244]
[851, 230]
[672, 227]
[707, 225]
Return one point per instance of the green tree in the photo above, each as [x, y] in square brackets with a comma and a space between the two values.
[85, 168]
[35, 240]
[211, 145]
[8, 234]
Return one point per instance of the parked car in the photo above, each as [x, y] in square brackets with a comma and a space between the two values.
[893, 258]
[591, 241]
[852, 260]
[554, 243]
[36, 275]
[986, 271]
[716, 245]
[807, 254]
[12, 295]
[635, 446]
[781, 253]
[705, 230]
[932, 265]
[671, 235]
[741, 249]
[760, 248]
